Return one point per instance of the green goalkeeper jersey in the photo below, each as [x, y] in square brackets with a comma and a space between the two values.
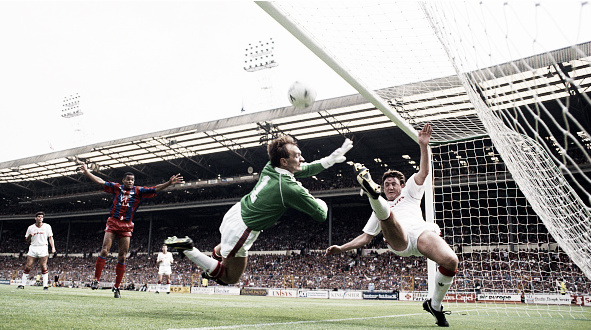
[275, 192]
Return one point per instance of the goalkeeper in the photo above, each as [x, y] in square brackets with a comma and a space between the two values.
[400, 219]
[275, 192]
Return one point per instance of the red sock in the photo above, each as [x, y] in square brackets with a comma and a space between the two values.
[447, 272]
[119, 272]
[218, 271]
[98, 268]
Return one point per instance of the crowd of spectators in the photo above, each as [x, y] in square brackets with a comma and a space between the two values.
[300, 262]
[506, 272]
[292, 232]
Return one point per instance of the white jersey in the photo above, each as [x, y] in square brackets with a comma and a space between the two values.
[406, 209]
[166, 259]
[39, 235]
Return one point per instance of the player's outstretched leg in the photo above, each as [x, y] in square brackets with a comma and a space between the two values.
[439, 315]
[367, 184]
[180, 244]
[213, 268]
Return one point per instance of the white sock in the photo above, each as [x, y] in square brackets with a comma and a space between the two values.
[380, 207]
[167, 287]
[204, 262]
[440, 290]
[25, 279]
[45, 279]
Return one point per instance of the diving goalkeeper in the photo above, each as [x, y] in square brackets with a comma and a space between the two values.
[275, 192]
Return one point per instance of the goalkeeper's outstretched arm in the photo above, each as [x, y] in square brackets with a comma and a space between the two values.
[337, 156]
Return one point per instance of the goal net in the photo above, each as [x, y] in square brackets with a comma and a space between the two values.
[506, 87]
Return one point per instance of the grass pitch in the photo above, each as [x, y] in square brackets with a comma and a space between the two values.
[63, 308]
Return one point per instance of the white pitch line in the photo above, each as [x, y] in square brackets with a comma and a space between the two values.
[238, 326]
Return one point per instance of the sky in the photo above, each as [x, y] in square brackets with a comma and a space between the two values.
[146, 66]
[138, 67]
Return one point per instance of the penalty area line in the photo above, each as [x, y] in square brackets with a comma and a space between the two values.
[238, 326]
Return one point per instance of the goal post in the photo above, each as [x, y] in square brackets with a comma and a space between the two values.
[506, 87]
[300, 33]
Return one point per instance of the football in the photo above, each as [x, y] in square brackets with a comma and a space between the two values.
[301, 95]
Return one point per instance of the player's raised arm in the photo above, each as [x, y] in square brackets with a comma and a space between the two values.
[91, 176]
[424, 138]
[177, 178]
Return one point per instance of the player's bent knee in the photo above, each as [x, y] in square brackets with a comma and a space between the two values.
[451, 263]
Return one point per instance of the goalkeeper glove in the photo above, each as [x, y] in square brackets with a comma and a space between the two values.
[337, 156]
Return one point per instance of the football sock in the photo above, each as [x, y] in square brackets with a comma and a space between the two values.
[380, 207]
[206, 263]
[443, 280]
[98, 268]
[25, 277]
[167, 287]
[119, 272]
[45, 277]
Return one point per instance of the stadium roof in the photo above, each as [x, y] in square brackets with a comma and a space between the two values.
[341, 116]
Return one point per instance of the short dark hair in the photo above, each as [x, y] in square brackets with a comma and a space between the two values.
[394, 174]
[128, 173]
[40, 213]
[277, 149]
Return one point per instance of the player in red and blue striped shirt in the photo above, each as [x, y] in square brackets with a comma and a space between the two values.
[126, 200]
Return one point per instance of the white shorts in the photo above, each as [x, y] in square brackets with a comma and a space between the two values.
[166, 270]
[38, 251]
[236, 237]
[414, 230]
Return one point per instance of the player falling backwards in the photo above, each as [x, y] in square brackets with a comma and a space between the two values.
[275, 192]
[400, 219]
[126, 199]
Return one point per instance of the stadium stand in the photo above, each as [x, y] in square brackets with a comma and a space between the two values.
[291, 253]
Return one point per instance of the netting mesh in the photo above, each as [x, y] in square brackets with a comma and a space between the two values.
[503, 246]
[516, 72]
[526, 129]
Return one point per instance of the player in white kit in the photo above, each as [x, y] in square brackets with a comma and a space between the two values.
[38, 235]
[400, 219]
[164, 261]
